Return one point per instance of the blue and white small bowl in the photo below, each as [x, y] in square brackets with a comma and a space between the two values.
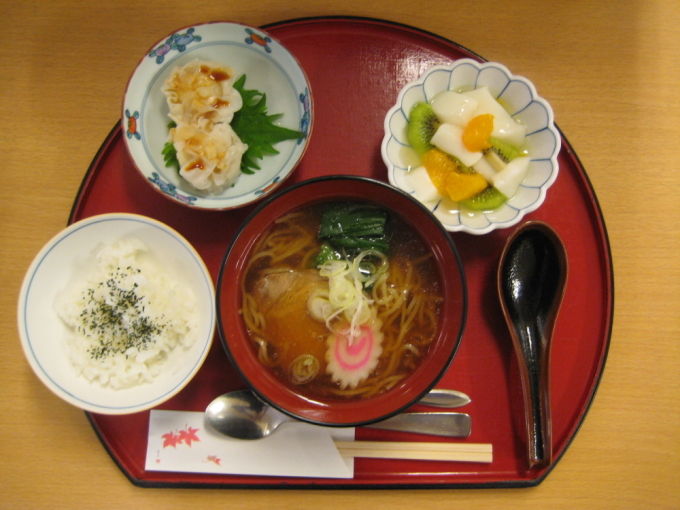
[269, 67]
[45, 337]
[519, 97]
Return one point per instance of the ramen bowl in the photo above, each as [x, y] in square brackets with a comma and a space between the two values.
[518, 97]
[257, 342]
[268, 68]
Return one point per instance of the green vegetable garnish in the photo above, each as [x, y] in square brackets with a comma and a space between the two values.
[326, 254]
[169, 152]
[256, 128]
[354, 227]
[354, 234]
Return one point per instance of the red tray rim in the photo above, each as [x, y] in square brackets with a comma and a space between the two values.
[352, 484]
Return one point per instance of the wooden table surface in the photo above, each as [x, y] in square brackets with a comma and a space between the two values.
[611, 73]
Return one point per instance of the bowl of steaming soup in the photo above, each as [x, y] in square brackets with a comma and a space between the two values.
[341, 300]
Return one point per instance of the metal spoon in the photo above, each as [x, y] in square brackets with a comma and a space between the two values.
[440, 397]
[531, 279]
[242, 415]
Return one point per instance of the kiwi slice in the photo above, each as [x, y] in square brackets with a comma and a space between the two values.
[464, 169]
[422, 124]
[505, 150]
[488, 199]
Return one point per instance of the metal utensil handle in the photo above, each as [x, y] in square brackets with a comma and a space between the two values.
[438, 424]
[439, 397]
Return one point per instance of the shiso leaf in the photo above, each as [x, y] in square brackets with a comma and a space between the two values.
[256, 128]
[169, 152]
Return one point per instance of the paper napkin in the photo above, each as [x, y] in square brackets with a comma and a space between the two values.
[179, 441]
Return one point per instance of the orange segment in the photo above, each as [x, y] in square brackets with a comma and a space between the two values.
[477, 132]
[438, 166]
[447, 178]
[462, 186]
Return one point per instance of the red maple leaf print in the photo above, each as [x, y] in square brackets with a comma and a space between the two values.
[188, 435]
[170, 439]
[214, 459]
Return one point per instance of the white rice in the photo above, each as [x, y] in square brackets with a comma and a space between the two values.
[126, 317]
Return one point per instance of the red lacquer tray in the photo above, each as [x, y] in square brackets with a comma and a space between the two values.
[356, 67]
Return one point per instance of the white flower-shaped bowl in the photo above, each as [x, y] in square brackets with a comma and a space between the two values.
[518, 95]
[44, 335]
[269, 68]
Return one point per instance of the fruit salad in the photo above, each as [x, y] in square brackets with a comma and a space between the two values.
[470, 150]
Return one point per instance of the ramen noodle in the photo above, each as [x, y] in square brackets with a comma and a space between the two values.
[335, 329]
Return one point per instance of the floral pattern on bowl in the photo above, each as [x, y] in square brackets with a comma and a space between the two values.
[269, 67]
[519, 97]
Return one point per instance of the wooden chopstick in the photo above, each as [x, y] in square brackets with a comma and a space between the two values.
[460, 452]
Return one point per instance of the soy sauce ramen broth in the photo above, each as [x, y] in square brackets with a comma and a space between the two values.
[280, 278]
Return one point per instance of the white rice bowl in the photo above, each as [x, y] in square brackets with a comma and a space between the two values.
[147, 377]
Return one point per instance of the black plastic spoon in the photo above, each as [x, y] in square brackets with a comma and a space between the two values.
[531, 280]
